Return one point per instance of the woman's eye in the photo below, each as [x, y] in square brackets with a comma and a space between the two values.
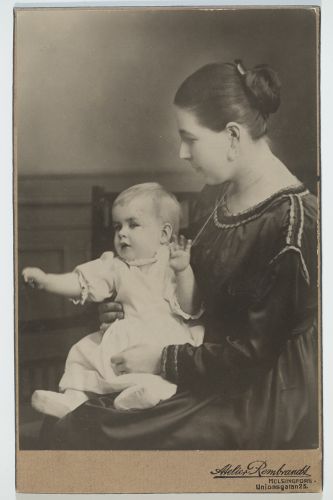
[189, 141]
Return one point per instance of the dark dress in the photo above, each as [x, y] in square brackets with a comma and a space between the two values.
[253, 383]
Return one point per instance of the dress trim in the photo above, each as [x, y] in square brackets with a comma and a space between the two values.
[296, 221]
[169, 363]
[84, 290]
[175, 361]
[300, 233]
[232, 221]
[288, 248]
[295, 232]
[164, 361]
[291, 219]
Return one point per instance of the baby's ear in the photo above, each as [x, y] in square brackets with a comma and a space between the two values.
[166, 233]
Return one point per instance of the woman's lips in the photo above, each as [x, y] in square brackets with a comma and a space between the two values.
[196, 168]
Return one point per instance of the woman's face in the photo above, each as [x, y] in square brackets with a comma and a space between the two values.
[206, 150]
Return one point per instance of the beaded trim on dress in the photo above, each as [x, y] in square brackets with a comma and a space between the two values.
[256, 211]
[295, 232]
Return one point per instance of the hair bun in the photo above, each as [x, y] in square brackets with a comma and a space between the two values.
[264, 87]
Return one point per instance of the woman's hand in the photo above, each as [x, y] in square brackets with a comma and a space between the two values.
[35, 277]
[143, 358]
[108, 312]
[180, 253]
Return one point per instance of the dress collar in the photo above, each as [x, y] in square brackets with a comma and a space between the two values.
[224, 218]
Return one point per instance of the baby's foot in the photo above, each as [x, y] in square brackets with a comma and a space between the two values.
[54, 403]
[137, 397]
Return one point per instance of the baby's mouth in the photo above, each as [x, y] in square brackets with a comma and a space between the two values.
[124, 245]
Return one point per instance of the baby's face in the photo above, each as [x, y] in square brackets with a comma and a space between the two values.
[138, 231]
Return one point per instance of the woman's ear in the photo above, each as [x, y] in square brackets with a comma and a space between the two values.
[166, 233]
[233, 131]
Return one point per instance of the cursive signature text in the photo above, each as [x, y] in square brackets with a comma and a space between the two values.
[259, 468]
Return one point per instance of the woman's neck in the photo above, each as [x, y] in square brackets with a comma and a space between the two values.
[260, 174]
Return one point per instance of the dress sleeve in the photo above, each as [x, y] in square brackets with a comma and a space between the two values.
[97, 278]
[252, 349]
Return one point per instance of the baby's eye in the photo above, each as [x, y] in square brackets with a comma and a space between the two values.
[132, 225]
[116, 227]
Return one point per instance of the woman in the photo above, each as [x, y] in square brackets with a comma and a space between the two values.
[252, 384]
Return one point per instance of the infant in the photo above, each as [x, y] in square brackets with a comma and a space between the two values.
[151, 275]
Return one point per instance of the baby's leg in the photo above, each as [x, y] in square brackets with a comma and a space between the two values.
[145, 394]
[57, 404]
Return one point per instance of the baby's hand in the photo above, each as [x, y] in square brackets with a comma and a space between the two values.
[180, 253]
[35, 277]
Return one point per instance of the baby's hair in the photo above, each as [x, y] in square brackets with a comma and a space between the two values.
[165, 204]
[220, 93]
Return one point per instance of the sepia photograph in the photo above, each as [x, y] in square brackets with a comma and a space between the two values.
[167, 248]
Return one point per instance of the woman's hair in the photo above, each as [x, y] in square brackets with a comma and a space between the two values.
[220, 93]
[165, 205]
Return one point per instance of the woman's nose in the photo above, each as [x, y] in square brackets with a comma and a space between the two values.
[184, 151]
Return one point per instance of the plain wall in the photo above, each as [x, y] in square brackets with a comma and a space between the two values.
[94, 88]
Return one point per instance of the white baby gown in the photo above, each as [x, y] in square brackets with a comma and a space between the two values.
[146, 290]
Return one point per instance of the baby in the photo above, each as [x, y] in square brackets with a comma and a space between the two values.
[152, 277]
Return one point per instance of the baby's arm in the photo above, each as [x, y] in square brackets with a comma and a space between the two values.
[67, 284]
[186, 287]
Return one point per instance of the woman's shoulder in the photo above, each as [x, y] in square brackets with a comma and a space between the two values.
[299, 233]
[286, 219]
[290, 205]
[294, 221]
[294, 211]
[296, 214]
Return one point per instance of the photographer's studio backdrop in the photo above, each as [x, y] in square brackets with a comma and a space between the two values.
[93, 106]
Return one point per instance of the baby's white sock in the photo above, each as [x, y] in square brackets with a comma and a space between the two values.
[145, 395]
[57, 404]
[137, 397]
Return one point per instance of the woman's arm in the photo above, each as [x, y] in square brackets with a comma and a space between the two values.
[67, 284]
[253, 349]
[246, 353]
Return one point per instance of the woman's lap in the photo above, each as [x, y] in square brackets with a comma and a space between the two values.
[184, 421]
